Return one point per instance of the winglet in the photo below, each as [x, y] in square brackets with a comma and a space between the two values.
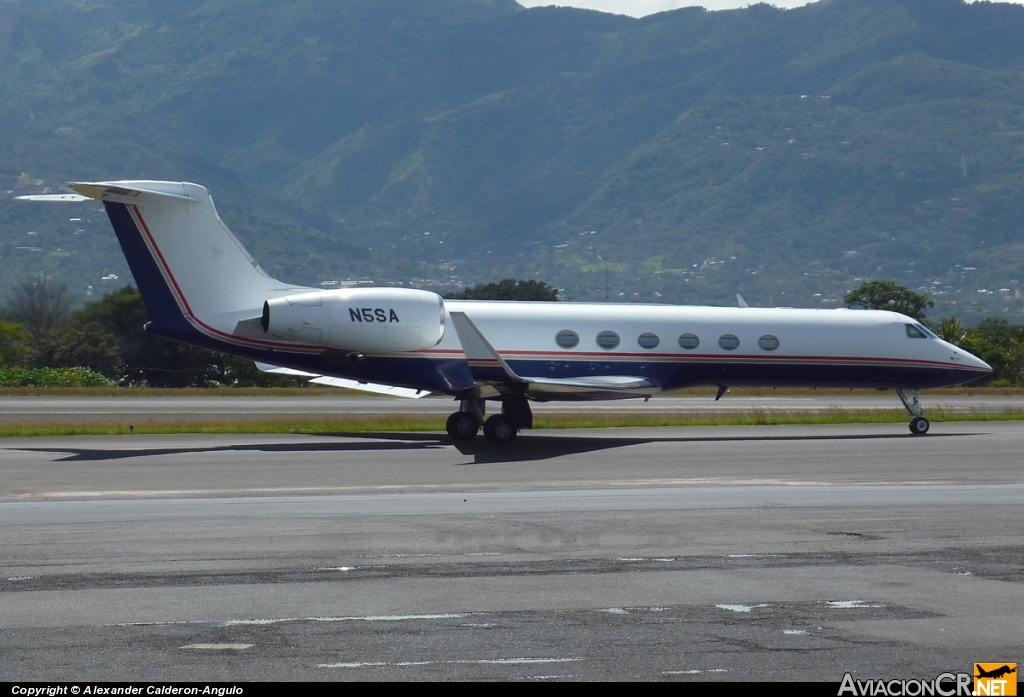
[484, 361]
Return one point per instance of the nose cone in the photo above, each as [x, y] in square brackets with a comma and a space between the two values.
[975, 362]
[969, 361]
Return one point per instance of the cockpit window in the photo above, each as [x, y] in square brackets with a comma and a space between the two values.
[914, 331]
[926, 330]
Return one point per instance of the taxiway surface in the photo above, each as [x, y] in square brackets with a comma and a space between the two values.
[744, 553]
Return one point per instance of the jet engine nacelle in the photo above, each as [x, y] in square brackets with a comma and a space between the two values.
[373, 320]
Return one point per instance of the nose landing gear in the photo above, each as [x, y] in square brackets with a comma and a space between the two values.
[918, 424]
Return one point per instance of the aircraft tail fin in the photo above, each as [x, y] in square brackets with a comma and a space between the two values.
[185, 260]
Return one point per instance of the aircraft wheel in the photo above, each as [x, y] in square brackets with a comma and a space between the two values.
[499, 430]
[919, 425]
[462, 425]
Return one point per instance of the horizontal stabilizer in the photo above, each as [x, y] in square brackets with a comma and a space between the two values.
[344, 382]
[62, 198]
[117, 192]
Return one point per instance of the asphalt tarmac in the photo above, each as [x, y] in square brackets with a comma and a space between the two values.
[737, 553]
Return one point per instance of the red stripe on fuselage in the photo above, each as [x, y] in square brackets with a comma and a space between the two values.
[581, 356]
[513, 355]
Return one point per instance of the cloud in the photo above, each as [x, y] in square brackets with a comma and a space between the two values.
[641, 8]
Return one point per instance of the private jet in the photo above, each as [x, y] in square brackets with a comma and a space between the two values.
[202, 287]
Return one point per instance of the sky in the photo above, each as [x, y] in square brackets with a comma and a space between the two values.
[640, 8]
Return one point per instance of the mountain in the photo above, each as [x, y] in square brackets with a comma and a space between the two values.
[682, 157]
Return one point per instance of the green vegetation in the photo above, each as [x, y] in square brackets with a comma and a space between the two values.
[52, 377]
[783, 154]
[403, 424]
[886, 295]
[1001, 346]
[508, 289]
[104, 344]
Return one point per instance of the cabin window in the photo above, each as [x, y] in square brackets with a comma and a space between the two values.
[914, 333]
[648, 340]
[768, 342]
[729, 342]
[567, 339]
[689, 341]
[608, 340]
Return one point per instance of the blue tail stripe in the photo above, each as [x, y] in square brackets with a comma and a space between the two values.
[156, 294]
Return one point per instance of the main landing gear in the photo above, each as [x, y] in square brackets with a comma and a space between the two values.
[918, 424]
[499, 429]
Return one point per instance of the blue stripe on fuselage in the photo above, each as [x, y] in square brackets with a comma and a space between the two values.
[808, 374]
[156, 294]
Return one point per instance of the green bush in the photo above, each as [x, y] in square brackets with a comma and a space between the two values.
[52, 377]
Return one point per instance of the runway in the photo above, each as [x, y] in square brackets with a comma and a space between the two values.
[131, 409]
[740, 553]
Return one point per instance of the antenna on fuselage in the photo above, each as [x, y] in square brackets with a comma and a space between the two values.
[741, 301]
[607, 294]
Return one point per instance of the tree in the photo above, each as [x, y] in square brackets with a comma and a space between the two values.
[951, 330]
[1001, 345]
[508, 289]
[40, 305]
[159, 362]
[14, 349]
[886, 295]
[82, 346]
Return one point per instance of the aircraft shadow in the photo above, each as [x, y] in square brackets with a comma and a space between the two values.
[527, 447]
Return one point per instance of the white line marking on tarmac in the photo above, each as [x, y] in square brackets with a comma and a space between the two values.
[217, 647]
[479, 661]
[235, 623]
[740, 608]
[846, 604]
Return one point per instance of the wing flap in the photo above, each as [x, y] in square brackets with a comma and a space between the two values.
[586, 389]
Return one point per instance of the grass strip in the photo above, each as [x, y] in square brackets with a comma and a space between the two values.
[414, 423]
[313, 390]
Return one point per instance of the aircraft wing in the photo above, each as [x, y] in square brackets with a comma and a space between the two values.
[343, 382]
[488, 367]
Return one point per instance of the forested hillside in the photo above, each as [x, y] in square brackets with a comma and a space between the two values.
[682, 157]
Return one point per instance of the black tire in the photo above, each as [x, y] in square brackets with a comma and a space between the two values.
[500, 430]
[919, 425]
[462, 425]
